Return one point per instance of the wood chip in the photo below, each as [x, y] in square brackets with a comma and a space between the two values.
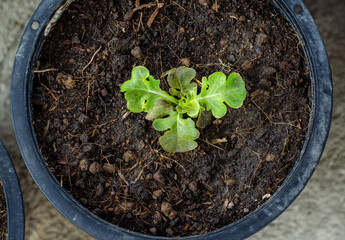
[267, 196]
[152, 18]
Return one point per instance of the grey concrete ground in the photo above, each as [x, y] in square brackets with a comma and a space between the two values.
[317, 214]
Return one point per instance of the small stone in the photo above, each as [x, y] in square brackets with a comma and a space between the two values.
[231, 205]
[266, 196]
[87, 148]
[76, 40]
[232, 58]
[265, 82]
[109, 168]
[245, 210]
[205, 2]
[193, 186]
[95, 168]
[99, 189]
[269, 71]
[270, 157]
[159, 177]
[129, 156]
[247, 65]
[84, 138]
[153, 231]
[84, 165]
[137, 53]
[185, 62]
[157, 194]
[168, 211]
[104, 92]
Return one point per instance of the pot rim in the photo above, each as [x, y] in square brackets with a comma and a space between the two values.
[322, 91]
[13, 195]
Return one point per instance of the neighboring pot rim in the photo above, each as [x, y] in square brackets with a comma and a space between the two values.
[13, 195]
[321, 114]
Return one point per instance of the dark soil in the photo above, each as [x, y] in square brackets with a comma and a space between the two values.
[111, 161]
[3, 214]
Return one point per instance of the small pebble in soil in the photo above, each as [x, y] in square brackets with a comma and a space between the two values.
[168, 210]
[193, 186]
[153, 231]
[95, 168]
[129, 156]
[104, 92]
[99, 189]
[231, 58]
[270, 157]
[75, 40]
[248, 64]
[84, 165]
[269, 71]
[159, 177]
[205, 2]
[157, 194]
[109, 168]
[87, 148]
[137, 53]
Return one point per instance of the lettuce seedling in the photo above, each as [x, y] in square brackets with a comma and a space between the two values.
[173, 112]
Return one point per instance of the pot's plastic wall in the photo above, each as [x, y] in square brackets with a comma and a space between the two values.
[28, 51]
[13, 194]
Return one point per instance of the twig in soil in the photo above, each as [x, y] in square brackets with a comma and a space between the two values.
[260, 161]
[140, 22]
[181, 6]
[270, 119]
[221, 64]
[173, 52]
[130, 14]
[177, 163]
[45, 132]
[154, 14]
[49, 91]
[212, 144]
[92, 58]
[46, 70]
[125, 115]
[122, 177]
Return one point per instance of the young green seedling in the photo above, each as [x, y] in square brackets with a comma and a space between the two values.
[173, 111]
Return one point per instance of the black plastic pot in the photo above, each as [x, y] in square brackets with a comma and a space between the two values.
[13, 195]
[29, 49]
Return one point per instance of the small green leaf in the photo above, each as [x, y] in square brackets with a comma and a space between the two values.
[160, 109]
[182, 133]
[141, 94]
[217, 89]
[181, 78]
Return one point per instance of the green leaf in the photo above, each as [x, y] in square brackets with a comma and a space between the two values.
[182, 133]
[217, 89]
[181, 78]
[141, 94]
[160, 109]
